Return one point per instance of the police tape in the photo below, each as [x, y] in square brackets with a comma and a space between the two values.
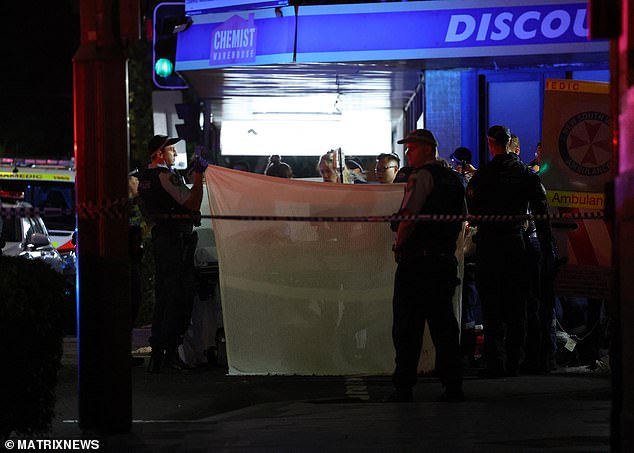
[119, 209]
[109, 209]
[471, 218]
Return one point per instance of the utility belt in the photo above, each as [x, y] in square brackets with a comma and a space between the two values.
[186, 236]
[493, 232]
[416, 246]
[432, 253]
[412, 253]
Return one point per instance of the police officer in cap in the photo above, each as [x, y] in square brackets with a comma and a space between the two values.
[174, 210]
[426, 275]
[505, 186]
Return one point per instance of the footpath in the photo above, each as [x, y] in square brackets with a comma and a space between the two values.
[209, 411]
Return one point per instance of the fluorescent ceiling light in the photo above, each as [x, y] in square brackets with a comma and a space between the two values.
[305, 138]
[314, 104]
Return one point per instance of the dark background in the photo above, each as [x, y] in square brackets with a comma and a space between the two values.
[39, 40]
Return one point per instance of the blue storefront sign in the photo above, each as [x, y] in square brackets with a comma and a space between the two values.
[441, 29]
[234, 42]
[237, 38]
[389, 31]
[194, 7]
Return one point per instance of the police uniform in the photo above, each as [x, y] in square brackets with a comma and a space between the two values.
[505, 186]
[174, 241]
[425, 279]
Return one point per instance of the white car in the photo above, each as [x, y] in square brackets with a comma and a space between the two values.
[26, 235]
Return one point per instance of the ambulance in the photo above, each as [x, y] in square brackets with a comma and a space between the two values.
[46, 183]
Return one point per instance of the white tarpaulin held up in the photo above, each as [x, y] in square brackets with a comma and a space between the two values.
[304, 297]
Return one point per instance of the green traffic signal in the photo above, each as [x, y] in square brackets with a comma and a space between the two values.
[164, 67]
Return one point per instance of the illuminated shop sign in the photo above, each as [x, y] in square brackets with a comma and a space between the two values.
[505, 25]
[234, 42]
[441, 29]
[392, 31]
[194, 7]
[242, 38]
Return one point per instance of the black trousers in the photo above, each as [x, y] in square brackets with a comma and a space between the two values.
[534, 322]
[502, 282]
[423, 289]
[174, 287]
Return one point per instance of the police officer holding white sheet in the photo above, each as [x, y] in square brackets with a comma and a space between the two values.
[174, 210]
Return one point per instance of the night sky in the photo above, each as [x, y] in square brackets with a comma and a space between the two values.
[36, 95]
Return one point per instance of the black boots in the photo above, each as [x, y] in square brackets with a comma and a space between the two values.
[173, 362]
[156, 360]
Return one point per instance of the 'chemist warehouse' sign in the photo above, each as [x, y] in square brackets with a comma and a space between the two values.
[234, 41]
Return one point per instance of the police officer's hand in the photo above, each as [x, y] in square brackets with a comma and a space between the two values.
[199, 164]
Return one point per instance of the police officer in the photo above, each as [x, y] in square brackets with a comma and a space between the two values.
[174, 209]
[425, 279]
[505, 186]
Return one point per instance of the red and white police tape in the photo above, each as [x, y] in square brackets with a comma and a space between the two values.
[118, 209]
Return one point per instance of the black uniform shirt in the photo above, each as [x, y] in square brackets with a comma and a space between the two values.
[506, 186]
[164, 192]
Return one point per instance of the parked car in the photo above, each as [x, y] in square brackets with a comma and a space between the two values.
[25, 235]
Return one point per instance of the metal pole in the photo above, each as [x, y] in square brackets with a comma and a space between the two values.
[340, 165]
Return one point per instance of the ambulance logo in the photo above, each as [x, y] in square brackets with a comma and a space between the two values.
[584, 143]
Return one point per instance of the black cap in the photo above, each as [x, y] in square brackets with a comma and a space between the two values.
[354, 164]
[421, 136]
[501, 134]
[462, 154]
[160, 141]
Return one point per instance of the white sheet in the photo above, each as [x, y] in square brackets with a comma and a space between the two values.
[304, 297]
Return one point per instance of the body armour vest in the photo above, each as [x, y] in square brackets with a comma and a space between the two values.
[446, 197]
[160, 205]
[505, 186]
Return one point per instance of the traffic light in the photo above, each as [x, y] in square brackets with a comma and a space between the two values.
[169, 20]
[190, 129]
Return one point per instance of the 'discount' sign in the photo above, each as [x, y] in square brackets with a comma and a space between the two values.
[441, 29]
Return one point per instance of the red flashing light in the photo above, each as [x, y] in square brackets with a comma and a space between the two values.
[13, 195]
[67, 247]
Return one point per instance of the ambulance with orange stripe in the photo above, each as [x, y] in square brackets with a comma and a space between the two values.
[46, 183]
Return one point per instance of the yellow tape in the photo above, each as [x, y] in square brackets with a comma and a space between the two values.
[36, 176]
[583, 200]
